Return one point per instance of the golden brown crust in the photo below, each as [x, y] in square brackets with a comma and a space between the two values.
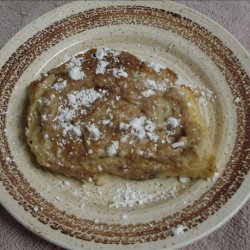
[108, 112]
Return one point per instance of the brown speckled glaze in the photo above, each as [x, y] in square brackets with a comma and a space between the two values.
[211, 201]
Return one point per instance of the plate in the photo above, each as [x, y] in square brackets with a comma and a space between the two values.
[153, 214]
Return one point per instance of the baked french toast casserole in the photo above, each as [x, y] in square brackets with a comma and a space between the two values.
[107, 112]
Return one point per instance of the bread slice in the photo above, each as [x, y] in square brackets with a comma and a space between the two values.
[107, 112]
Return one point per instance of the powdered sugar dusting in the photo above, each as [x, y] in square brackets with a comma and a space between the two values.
[184, 180]
[157, 66]
[180, 229]
[119, 73]
[137, 127]
[128, 197]
[101, 67]
[76, 101]
[75, 69]
[151, 86]
[125, 195]
[202, 93]
[94, 131]
[237, 100]
[100, 53]
[76, 130]
[140, 127]
[35, 209]
[112, 149]
[84, 97]
[124, 217]
[147, 93]
[216, 176]
[76, 74]
[59, 85]
[178, 144]
[173, 122]
[66, 58]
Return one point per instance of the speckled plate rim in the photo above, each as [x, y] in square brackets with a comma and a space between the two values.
[234, 203]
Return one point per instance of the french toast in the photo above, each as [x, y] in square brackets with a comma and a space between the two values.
[107, 112]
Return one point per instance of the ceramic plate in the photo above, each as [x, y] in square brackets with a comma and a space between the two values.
[127, 214]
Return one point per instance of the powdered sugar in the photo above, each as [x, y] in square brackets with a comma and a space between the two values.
[76, 130]
[35, 209]
[180, 229]
[106, 122]
[74, 62]
[178, 144]
[128, 197]
[75, 69]
[162, 87]
[202, 93]
[216, 176]
[147, 93]
[140, 127]
[71, 98]
[153, 137]
[137, 127]
[237, 100]
[84, 97]
[59, 85]
[115, 53]
[112, 149]
[101, 67]
[94, 131]
[66, 58]
[151, 86]
[184, 180]
[124, 216]
[157, 66]
[181, 81]
[8, 159]
[119, 73]
[150, 126]
[76, 101]
[123, 126]
[173, 122]
[100, 53]
[114, 195]
[76, 74]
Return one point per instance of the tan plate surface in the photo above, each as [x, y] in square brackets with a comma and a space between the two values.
[73, 215]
